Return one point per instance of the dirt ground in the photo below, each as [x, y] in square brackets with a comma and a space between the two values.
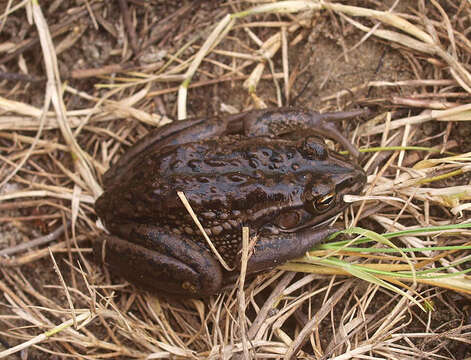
[120, 65]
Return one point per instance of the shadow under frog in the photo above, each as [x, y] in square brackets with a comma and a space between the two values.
[269, 170]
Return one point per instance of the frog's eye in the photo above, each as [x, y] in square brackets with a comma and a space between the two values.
[325, 202]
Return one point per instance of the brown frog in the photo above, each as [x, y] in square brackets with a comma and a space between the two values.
[269, 170]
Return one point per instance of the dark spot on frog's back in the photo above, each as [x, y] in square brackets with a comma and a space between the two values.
[254, 162]
[237, 178]
[266, 152]
[215, 162]
[203, 179]
[195, 165]
[276, 157]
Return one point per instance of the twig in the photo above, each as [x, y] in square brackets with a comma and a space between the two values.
[84, 317]
[123, 4]
[241, 294]
[42, 240]
[303, 335]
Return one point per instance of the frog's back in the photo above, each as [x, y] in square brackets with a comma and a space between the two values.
[228, 173]
[226, 169]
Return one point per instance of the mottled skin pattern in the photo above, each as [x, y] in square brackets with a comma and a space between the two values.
[265, 169]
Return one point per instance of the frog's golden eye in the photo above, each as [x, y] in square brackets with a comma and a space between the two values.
[324, 203]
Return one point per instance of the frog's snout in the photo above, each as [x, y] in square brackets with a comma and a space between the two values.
[353, 182]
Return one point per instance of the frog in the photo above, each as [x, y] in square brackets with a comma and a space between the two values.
[269, 170]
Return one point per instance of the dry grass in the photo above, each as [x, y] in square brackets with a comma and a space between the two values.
[61, 129]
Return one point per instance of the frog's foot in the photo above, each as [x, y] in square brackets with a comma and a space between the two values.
[184, 268]
[274, 250]
[279, 121]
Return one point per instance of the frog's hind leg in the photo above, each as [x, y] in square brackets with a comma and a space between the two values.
[279, 121]
[162, 262]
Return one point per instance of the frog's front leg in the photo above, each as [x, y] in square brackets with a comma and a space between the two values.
[273, 250]
[279, 121]
[160, 261]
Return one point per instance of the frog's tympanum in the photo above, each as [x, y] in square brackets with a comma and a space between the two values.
[269, 170]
